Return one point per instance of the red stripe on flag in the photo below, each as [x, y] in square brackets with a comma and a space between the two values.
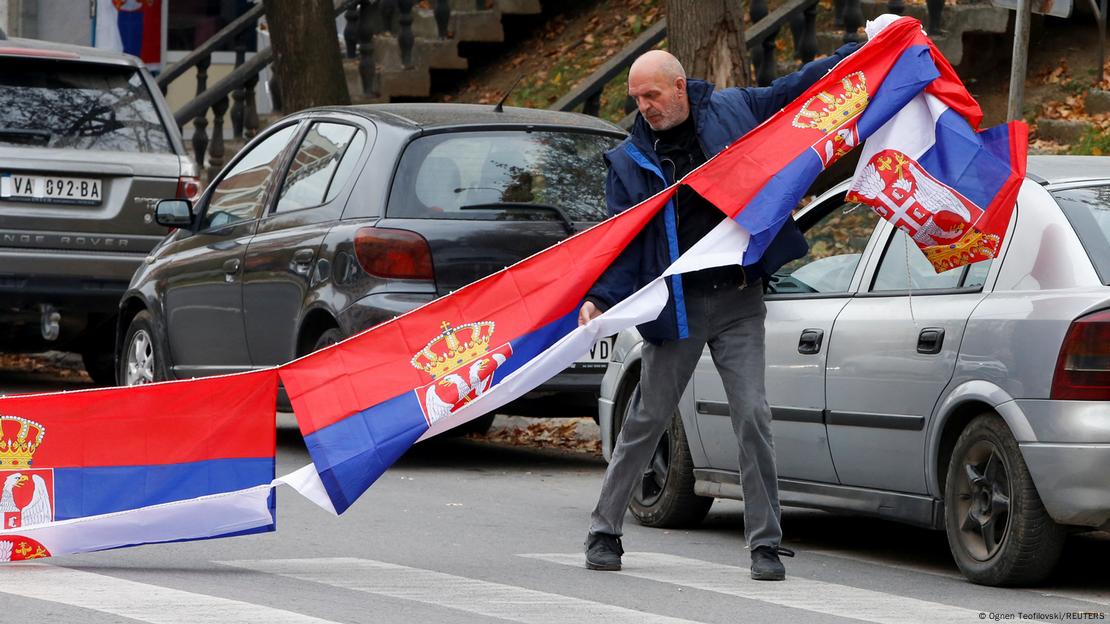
[169, 423]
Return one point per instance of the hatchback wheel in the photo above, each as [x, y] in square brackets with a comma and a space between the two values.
[998, 529]
[140, 361]
[664, 495]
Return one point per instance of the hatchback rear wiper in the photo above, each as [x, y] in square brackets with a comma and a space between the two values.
[40, 136]
[567, 223]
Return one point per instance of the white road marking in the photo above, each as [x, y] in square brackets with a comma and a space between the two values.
[515, 604]
[137, 601]
[796, 593]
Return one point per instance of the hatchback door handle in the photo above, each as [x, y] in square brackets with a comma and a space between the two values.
[303, 256]
[810, 342]
[231, 266]
[930, 340]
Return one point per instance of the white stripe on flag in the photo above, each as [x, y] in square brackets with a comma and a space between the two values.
[724, 245]
[796, 593]
[206, 516]
[495, 600]
[137, 601]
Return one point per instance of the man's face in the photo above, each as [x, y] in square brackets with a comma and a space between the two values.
[662, 102]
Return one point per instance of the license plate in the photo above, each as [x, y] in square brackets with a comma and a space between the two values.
[598, 354]
[49, 189]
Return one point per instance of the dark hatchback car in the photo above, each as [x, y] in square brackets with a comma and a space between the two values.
[337, 219]
[87, 148]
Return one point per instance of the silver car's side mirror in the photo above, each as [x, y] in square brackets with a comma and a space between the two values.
[175, 213]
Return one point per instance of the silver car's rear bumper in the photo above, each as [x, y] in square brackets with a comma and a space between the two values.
[1068, 455]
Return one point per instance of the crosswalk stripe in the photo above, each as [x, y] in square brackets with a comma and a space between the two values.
[138, 601]
[515, 604]
[797, 593]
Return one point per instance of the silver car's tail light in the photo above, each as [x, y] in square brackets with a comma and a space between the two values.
[188, 187]
[1083, 367]
[397, 254]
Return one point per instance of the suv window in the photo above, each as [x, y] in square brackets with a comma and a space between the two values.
[1088, 210]
[836, 243]
[239, 195]
[905, 267]
[311, 175]
[65, 104]
[502, 175]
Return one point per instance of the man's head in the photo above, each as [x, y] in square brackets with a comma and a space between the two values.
[658, 84]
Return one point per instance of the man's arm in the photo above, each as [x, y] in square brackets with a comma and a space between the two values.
[766, 101]
[620, 279]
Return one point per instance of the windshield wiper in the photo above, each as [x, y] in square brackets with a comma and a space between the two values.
[568, 225]
[37, 136]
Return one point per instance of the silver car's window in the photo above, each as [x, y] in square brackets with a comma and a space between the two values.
[88, 106]
[502, 175]
[238, 196]
[905, 267]
[836, 243]
[1088, 210]
[312, 171]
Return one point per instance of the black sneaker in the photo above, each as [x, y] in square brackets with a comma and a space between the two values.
[603, 552]
[766, 565]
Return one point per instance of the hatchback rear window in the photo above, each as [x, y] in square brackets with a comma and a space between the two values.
[65, 104]
[503, 175]
[1088, 210]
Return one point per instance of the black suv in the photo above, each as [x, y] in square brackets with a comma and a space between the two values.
[87, 148]
[337, 219]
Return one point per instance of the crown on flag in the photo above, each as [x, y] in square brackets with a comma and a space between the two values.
[827, 110]
[19, 439]
[454, 347]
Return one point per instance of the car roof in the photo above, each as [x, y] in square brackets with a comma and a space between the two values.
[36, 48]
[433, 116]
[1063, 169]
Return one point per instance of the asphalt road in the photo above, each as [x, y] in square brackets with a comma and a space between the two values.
[472, 531]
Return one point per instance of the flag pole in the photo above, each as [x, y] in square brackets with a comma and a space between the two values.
[1020, 60]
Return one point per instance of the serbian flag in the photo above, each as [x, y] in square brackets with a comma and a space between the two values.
[131, 26]
[361, 404]
[949, 186]
[98, 469]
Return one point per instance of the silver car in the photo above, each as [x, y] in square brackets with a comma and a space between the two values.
[976, 401]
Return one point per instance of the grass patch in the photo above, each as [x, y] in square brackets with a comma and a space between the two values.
[1094, 143]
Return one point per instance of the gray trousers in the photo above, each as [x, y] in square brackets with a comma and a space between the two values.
[731, 322]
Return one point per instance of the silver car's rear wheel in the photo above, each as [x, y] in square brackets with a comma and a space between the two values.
[998, 529]
[140, 363]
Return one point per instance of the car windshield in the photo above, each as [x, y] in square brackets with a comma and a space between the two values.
[1088, 210]
[503, 175]
[63, 104]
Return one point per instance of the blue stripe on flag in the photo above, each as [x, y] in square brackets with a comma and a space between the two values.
[976, 165]
[80, 492]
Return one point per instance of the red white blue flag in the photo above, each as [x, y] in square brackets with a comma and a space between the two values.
[131, 26]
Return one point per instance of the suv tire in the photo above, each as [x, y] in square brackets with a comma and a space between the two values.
[664, 497]
[988, 485]
[141, 360]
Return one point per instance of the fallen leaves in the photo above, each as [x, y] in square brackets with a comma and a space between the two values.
[54, 364]
[568, 434]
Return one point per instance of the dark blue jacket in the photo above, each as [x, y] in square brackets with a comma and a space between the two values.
[635, 174]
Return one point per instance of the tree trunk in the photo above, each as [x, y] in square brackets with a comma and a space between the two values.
[307, 61]
[707, 36]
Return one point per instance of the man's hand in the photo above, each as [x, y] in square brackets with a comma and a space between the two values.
[588, 313]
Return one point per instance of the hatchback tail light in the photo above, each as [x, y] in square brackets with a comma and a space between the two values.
[1083, 367]
[398, 254]
[188, 187]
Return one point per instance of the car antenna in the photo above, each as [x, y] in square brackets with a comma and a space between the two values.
[500, 108]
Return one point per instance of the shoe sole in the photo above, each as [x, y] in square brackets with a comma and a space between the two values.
[768, 577]
[605, 567]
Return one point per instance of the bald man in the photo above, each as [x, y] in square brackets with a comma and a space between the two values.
[681, 123]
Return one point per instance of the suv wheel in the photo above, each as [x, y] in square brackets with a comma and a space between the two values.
[664, 496]
[998, 529]
[140, 362]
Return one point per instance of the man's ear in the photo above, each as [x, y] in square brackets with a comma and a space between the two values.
[680, 84]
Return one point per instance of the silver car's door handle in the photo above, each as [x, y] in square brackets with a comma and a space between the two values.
[303, 256]
[930, 340]
[231, 266]
[810, 342]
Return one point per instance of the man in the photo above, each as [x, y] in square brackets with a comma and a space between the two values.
[681, 124]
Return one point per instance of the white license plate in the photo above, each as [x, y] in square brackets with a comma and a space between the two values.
[598, 354]
[49, 189]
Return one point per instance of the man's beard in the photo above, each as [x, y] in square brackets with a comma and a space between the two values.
[672, 116]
